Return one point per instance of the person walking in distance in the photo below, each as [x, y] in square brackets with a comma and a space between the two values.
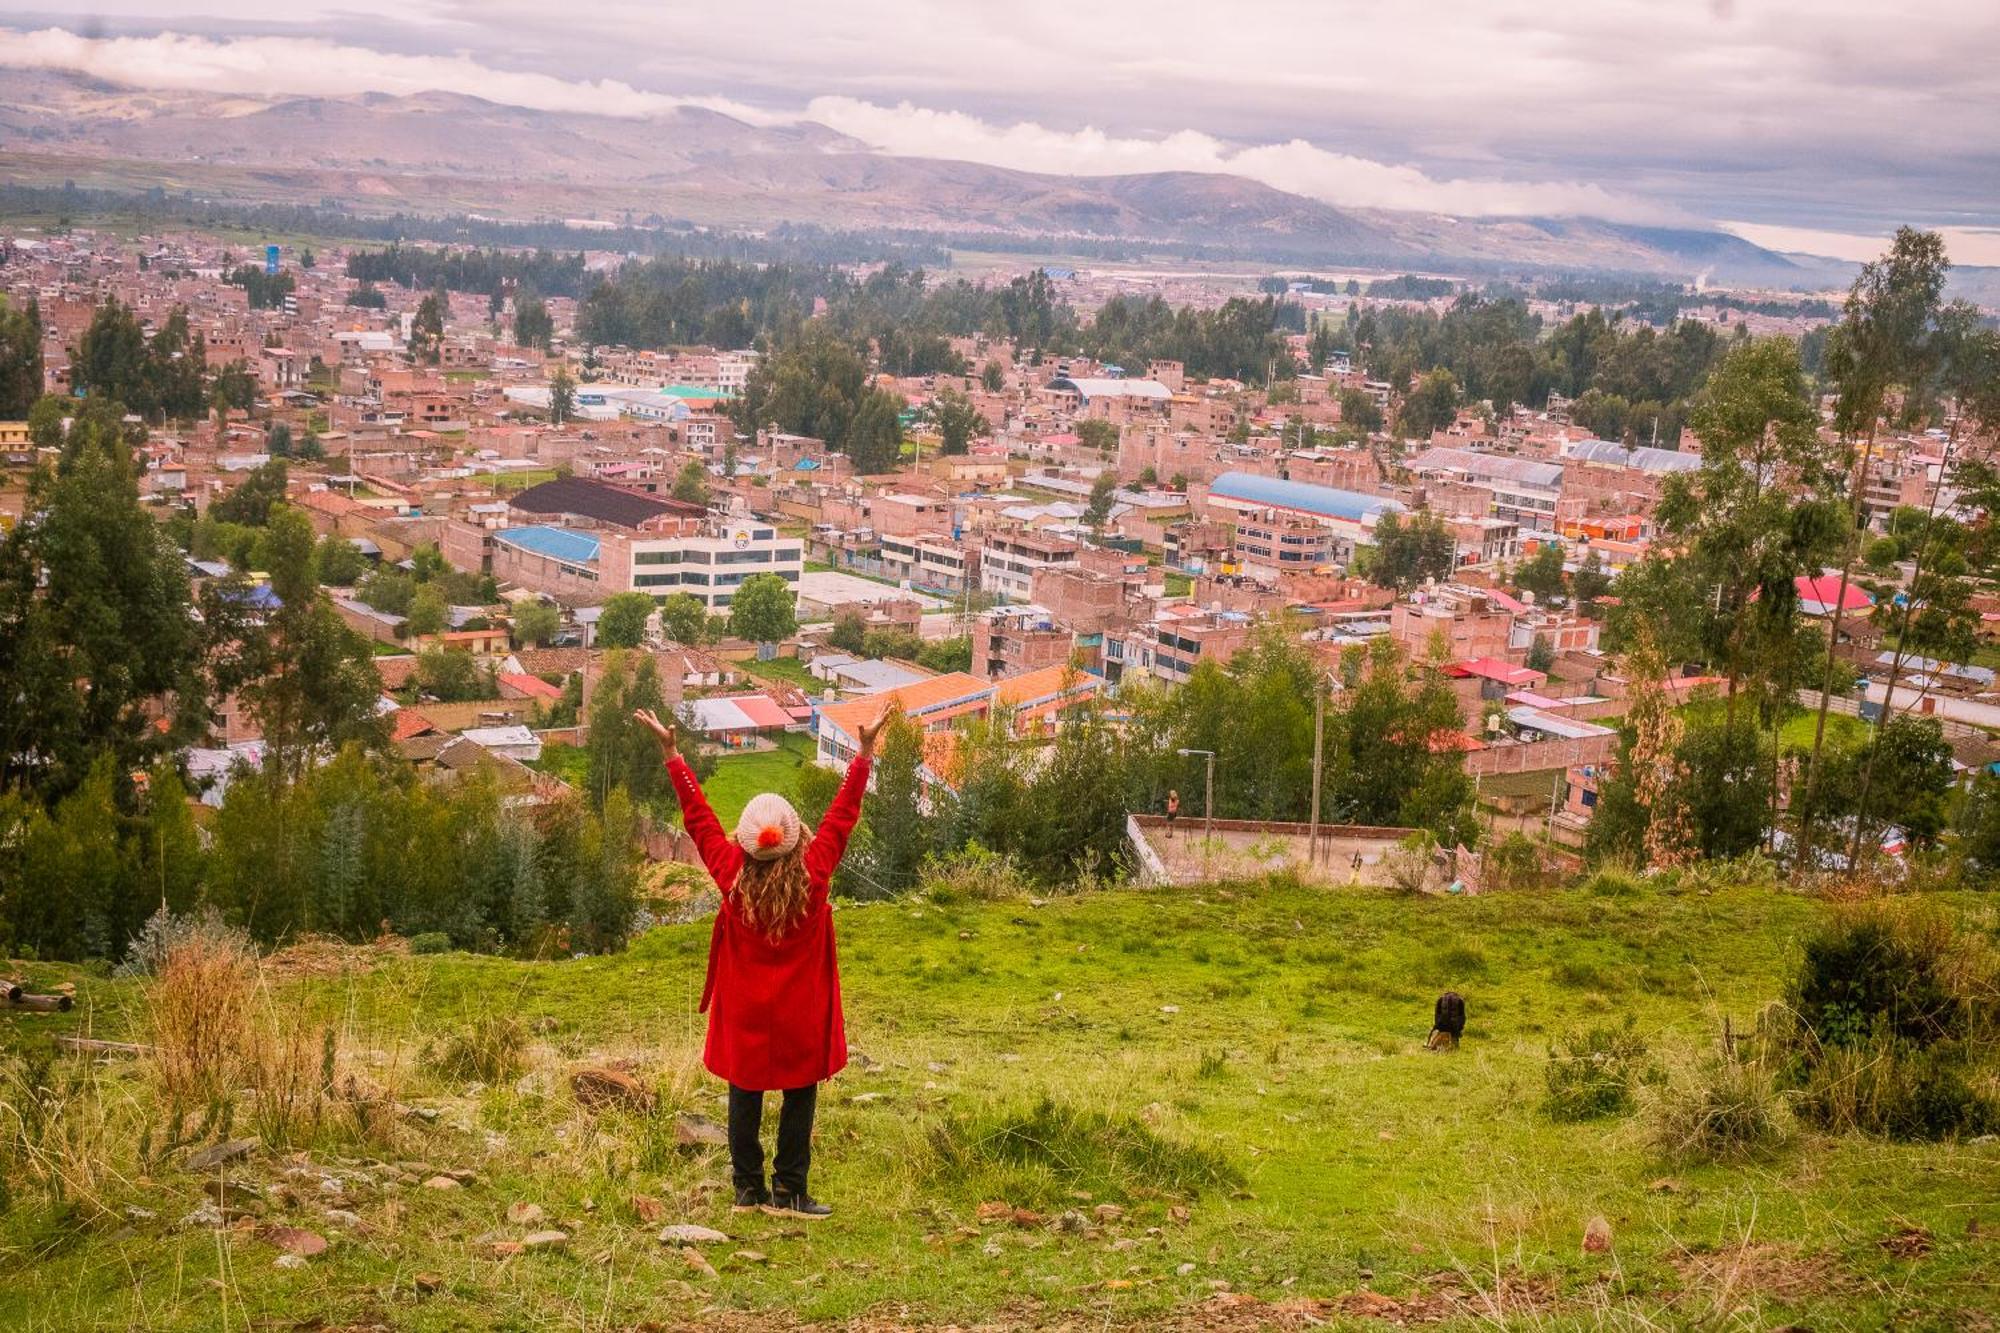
[1173, 810]
[773, 991]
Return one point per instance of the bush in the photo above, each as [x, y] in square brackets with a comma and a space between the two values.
[1614, 881]
[1591, 1073]
[164, 932]
[1724, 1110]
[973, 875]
[431, 941]
[1893, 1020]
[488, 1050]
[199, 1016]
[1896, 1090]
[1885, 970]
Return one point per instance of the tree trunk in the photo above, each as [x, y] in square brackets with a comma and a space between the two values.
[1858, 492]
[1897, 658]
[43, 1004]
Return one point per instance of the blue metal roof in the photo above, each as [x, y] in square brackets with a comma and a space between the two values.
[557, 543]
[1350, 505]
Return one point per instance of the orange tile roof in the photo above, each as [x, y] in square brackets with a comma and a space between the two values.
[921, 698]
[409, 722]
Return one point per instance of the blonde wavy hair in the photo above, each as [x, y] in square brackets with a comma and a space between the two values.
[772, 895]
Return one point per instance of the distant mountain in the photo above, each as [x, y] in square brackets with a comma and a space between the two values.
[439, 151]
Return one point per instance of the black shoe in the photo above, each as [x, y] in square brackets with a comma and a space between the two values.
[785, 1204]
[751, 1198]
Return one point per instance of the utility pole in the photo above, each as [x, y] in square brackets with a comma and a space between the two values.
[1207, 802]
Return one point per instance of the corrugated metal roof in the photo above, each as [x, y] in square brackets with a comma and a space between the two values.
[1324, 500]
[557, 543]
[1644, 458]
[1499, 467]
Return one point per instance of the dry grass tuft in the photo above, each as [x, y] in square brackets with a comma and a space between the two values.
[200, 1015]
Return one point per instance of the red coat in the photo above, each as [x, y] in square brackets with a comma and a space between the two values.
[773, 1006]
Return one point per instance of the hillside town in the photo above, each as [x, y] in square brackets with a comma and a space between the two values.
[1054, 525]
[1204, 670]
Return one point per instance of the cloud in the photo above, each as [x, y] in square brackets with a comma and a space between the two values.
[1294, 166]
[1965, 245]
[310, 67]
[299, 66]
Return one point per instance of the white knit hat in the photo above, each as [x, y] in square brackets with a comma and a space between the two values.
[768, 828]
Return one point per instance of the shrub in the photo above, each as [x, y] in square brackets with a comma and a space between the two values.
[973, 875]
[1897, 1090]
[1723, 1110]
[164, 932]
[1892, 1013]
[1612, 880]
[1515, 863]
[199, 1016]
[1884, 970]
[1591, 1073]
[488, 1050]
[431, 941]
[1053, 1148]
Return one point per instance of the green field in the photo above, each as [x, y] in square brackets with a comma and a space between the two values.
[786, 671]
[1240, 1071]
[738, 777]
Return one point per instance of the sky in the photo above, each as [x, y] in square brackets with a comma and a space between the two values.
[1811, 124]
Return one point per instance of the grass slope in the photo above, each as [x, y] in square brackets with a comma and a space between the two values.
[1252, 1055]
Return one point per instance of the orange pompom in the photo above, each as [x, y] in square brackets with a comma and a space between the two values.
[770, 836]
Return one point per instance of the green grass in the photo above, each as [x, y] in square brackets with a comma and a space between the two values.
[1843, 731]
[788, 671]
[568, 762]
[738, 777]
[1251, 1055]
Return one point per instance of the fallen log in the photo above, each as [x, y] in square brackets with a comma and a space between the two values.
[43, 1004]
[94, 1046]
[10, 990]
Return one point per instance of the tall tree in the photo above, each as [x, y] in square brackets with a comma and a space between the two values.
[20, 359]
[319, 686]
[691, 484]
[535, 622]
[1887, 337]
[957, 420]
[562, 396]
[684, 620]
[1103, 491]
[427, 328]
[111, 357]
[1430, 406]
[532, 325]
[95, 620]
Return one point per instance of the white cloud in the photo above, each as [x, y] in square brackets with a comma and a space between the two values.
[310, 67]
[1295, 166]
[1965, 245]
[301, 66]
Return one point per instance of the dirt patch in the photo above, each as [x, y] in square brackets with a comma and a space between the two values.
[1778, 1272]
[325, 956]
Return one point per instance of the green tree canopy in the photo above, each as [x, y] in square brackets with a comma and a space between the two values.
[764, 609]
[622, 623]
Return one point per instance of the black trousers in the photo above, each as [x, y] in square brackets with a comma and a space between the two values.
[795, 1130]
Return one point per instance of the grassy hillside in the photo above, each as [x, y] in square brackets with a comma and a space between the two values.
[1241, 1072]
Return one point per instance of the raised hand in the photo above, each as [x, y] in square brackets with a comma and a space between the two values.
[662, 732]
[870, 730]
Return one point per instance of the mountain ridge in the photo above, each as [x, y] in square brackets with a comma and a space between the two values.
[445, 149]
